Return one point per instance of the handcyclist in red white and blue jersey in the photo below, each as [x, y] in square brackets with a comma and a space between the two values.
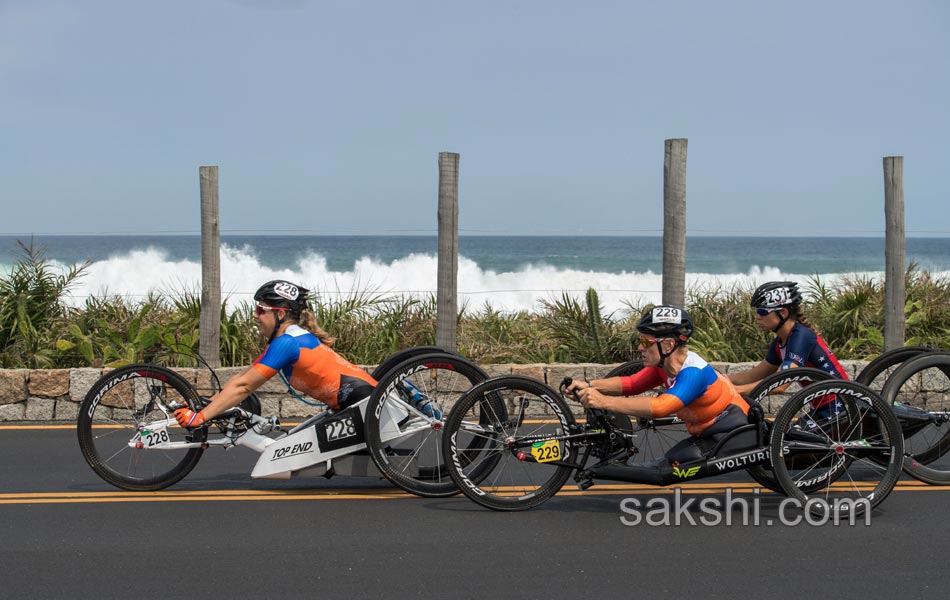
[692, 390]
[778, 309]
[296, 347]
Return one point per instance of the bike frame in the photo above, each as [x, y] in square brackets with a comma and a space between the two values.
[313, 448]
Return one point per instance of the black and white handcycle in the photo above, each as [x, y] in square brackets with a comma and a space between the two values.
[129, 436]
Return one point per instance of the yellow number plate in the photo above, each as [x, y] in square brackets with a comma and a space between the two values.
[546, 451]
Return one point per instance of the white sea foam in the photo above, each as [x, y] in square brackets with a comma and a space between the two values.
[135, 274]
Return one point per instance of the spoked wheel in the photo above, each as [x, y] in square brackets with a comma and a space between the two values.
[876, 373]
[405, 416]
[516, 427]
[763, 394]
[919, 394]
[128, 434]
[806, 449]
[401, 356]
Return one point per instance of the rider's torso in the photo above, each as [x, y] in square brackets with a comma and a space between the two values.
[313, 367]
[805, 348]
[697, 394]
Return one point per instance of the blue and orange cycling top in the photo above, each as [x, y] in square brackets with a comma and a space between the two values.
[804, 348]
[314, 368]
[697, 394]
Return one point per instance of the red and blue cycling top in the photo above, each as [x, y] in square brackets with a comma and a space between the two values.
[804, 348]
[697, 394]
[314, 368]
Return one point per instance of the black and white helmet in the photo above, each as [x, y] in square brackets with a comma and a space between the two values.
[776, 294]
[280, 293]
[666, 321]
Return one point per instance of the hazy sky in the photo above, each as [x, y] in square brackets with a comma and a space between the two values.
[328, 117]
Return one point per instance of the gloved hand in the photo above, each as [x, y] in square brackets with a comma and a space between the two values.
[188, 418]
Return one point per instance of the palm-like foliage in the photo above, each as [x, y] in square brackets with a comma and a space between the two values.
[31, 309]
[39, 329]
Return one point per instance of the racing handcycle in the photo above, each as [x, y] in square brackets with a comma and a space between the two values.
[128, 433]
[913, 380]
[529, 443]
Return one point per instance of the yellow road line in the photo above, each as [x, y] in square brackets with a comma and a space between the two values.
[373, 494]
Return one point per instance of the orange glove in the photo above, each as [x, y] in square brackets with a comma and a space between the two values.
[188, 418]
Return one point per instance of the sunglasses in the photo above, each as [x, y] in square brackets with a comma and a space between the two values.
[647, 342]
[260, 309]
[764, 311]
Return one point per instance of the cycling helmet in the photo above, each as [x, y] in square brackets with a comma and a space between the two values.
[776, 294]
[666, 321]
[282, 293]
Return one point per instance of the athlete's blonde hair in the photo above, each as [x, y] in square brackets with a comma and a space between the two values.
[309, 322]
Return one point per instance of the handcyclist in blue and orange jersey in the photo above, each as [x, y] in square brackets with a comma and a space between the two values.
[296, 347]
[778, 309]
[695, 392]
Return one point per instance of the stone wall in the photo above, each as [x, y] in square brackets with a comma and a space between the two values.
[54, 395]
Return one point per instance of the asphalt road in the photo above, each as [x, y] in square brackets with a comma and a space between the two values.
[66, 534]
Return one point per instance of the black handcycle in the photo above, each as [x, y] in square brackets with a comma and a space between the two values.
[529, 443]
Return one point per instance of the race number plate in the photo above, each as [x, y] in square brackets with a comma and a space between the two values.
[343, 429]
[151, 437]
[546, 451]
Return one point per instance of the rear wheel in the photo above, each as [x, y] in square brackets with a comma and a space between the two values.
[401, 356]
[127, 431]
[404, 440]
[518, 426]
[919, 394]
[875, 373]
[807, 452]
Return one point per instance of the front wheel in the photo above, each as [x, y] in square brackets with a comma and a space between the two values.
[128, 434]
[862, 436]
[405, 415]
[763, 395]
[506, 442]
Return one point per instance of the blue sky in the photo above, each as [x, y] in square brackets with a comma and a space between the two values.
[328, 117]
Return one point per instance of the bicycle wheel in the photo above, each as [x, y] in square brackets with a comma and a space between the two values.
[875, 373]
[762, 394]
[404, 441]
[505, 439]
[127, 431]
[388, 364]
[805, 450]
[919, 394]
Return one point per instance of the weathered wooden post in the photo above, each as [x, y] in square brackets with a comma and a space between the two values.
[895, 252]
[210, 320]
[674, 222]
[446, 303]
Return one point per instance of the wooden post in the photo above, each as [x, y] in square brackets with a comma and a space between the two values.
[446, 292]
[895, 252]
[674, 222]
[210, 320]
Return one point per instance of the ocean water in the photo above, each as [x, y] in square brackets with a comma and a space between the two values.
[505, 272]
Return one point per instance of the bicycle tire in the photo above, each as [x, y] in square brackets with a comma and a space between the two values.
[762, 474]
[507, 410]
[628, 368]
[123, 402]
[800, 448]
[922, 383]
[401, 356]
[883, 364]
[409, 452]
